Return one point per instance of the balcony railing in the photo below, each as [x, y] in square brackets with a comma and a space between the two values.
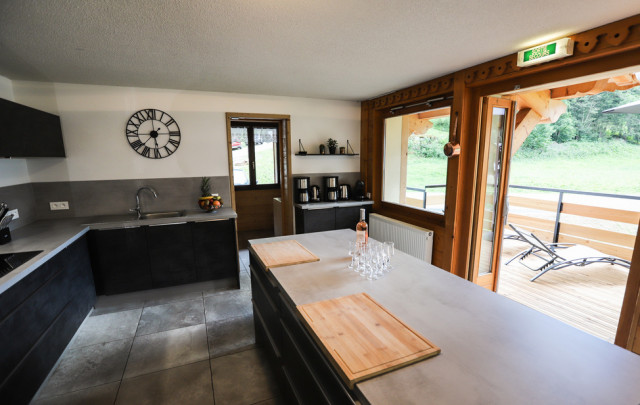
[606, 222]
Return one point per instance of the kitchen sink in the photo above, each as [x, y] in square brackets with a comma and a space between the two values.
[11, 261]
[164, 214]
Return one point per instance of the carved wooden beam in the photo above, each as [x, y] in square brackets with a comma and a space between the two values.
[622, 82]
[526, 120]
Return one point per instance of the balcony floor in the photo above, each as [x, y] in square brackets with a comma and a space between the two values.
[588, 298]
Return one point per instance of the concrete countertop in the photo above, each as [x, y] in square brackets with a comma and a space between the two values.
[52, 236]
[494, 350]
[332, 204]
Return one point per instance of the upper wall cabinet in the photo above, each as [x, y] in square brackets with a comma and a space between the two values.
[27, 132]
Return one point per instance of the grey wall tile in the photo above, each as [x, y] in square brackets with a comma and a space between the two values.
[22, 197]
[114, 197]
[349, 178]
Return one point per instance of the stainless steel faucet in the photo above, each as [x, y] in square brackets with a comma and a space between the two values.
[138, 208]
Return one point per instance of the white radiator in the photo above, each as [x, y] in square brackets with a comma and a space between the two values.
[410, 239]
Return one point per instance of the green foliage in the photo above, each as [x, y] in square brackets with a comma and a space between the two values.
[431, 144]
[539, 138]
[585, 122]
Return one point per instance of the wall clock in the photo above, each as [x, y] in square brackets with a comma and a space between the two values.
[153, 133]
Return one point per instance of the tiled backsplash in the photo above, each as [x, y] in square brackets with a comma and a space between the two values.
[106, 197]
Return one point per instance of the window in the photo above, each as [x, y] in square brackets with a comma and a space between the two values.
[255, 155]
[415, 167]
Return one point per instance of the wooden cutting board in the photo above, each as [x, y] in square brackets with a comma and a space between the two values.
[283, 253]
[362, 338]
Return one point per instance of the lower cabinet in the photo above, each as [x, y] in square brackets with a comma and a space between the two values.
[38, 317]
[171, 258]
[145, 257]
[328, 219]
[305, 375]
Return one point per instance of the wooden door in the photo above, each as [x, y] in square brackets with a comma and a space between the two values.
[491, 189]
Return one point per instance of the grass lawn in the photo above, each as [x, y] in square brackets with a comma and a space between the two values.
[616, 173]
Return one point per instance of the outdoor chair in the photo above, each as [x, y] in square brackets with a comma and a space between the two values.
[547, 252]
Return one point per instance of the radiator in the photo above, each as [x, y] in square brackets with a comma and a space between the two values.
[407, 238]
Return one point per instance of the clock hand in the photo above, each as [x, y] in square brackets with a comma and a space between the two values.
[156, 141]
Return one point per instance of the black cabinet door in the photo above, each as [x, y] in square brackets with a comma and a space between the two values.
[215, 250]
[347, 217]
[319, 220]
[171, 258]
[120, 260]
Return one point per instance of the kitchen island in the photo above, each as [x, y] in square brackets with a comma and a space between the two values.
[494, 350]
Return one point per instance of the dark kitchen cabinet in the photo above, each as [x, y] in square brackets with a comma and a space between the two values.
[39, 316]
[315, 220]
[27, 132]
[215, 249]
[155, 256]
[120, 260]
[171, 258]
[329, 219]
[304, 374]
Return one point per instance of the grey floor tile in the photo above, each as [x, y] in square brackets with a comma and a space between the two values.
[223, 285]
[88, 366]
[230, 335]
[173, 294]
[242, 378]
[101, 395]
[184, 385]
[227, 305]
[106, 304]
[164, 350]
[107, 328]
[244, 256]
[245, 281]
[160, 318]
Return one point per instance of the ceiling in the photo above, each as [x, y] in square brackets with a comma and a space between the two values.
[332, 49]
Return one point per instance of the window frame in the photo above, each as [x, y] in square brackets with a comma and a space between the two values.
[399, 210]
[251, 125]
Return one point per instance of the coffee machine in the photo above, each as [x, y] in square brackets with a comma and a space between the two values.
[301, 189]
[331, 188]
[359, 190]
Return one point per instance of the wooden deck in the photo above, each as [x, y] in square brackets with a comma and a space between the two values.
[588, 298]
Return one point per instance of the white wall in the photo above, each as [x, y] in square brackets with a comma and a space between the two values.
[392, 159]
[93, 120]
[12, 171]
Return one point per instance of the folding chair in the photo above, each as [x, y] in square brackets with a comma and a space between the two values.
[552, 260]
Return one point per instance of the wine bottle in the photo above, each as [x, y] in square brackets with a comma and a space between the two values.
[362, 229]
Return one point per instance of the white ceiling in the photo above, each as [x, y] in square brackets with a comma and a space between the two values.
[334, 49]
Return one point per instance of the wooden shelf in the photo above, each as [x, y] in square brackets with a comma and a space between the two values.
[328, 154]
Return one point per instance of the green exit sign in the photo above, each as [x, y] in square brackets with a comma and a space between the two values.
[546, 52]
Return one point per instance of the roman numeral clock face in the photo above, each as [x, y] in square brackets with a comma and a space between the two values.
[153, 133]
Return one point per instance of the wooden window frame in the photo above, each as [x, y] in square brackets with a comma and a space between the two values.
[411, 215]
[252, 157]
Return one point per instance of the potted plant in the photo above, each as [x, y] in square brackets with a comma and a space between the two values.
[207, 201]
[332, 144]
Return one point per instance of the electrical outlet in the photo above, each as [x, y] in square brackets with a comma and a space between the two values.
[14, 212]
[59, 205]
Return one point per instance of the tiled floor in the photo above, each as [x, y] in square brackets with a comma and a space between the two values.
[192, 344]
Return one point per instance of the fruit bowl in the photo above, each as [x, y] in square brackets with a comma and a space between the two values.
[210, 203]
